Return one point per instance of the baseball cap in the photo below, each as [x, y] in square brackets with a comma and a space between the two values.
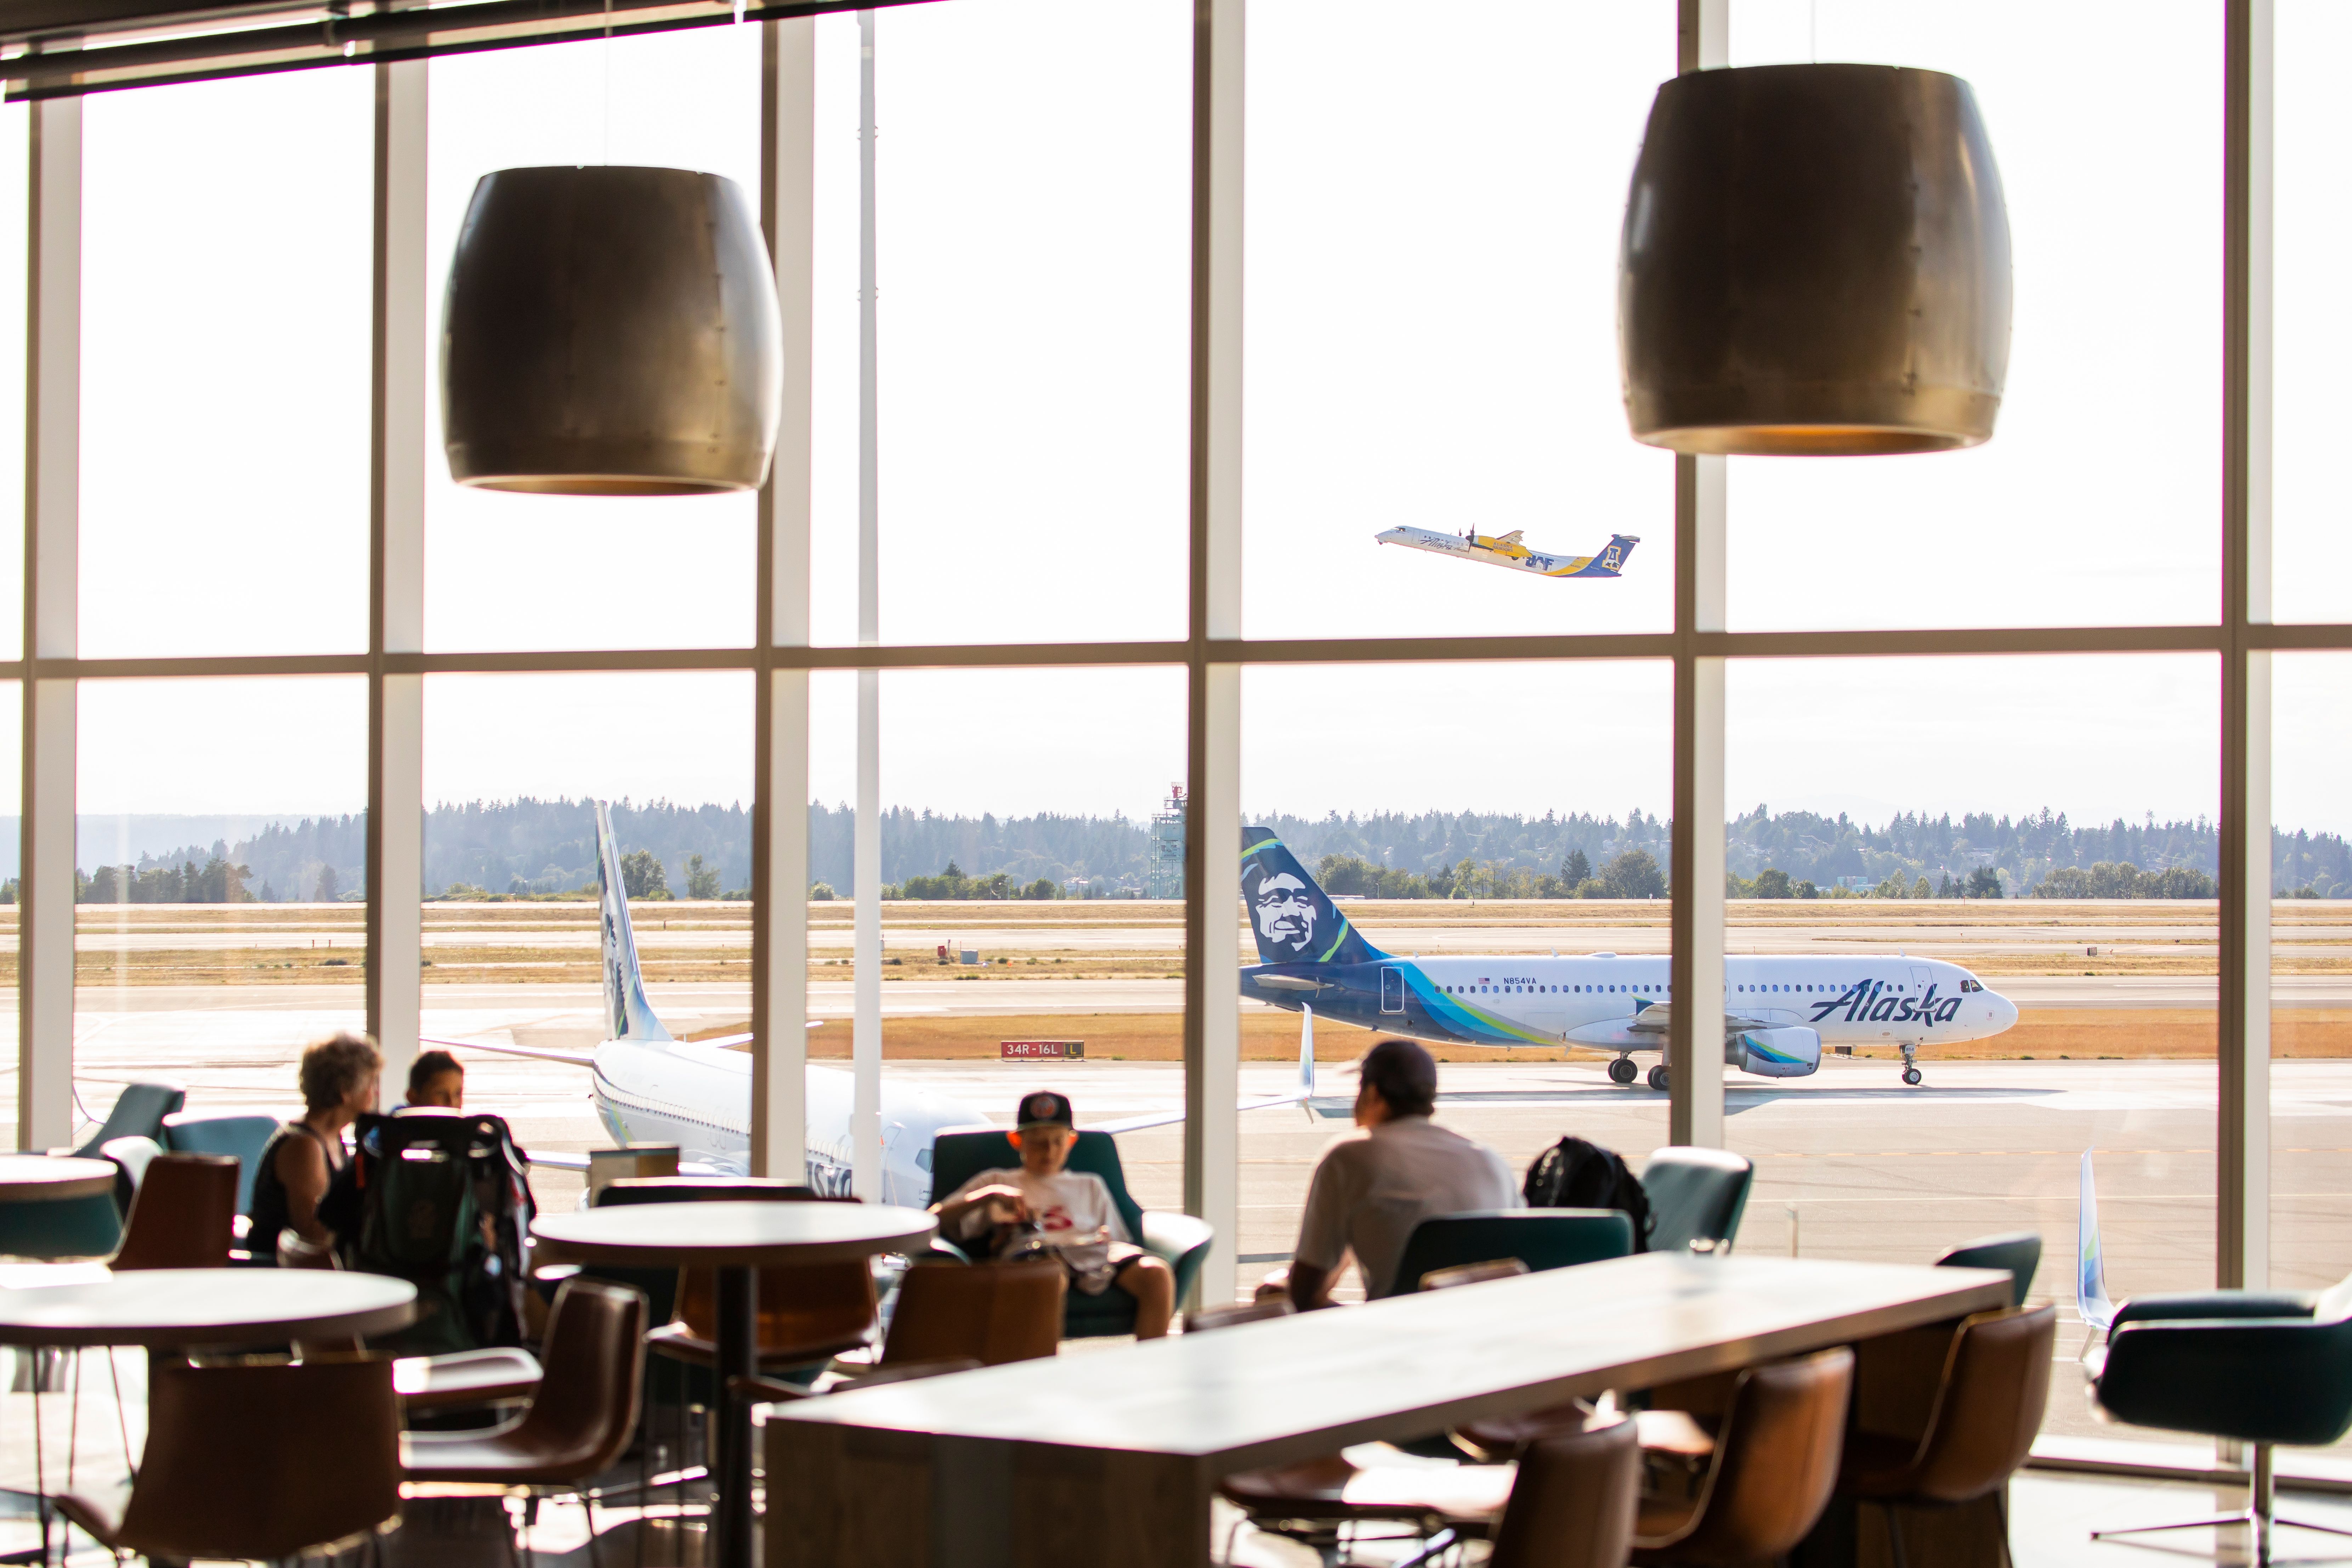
[1044, 1108]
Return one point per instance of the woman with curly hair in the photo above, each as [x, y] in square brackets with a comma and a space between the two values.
[338, 1083]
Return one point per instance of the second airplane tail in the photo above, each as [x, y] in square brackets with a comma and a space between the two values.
[627, 1014]
[1293, 920]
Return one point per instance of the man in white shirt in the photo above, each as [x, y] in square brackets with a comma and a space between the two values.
[1070, 1212]
[1371, 1189]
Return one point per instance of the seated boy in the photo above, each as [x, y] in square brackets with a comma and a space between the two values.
[1068, 1212]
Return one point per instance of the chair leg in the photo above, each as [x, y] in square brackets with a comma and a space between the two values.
[2261, 1523]
[1894, 1517]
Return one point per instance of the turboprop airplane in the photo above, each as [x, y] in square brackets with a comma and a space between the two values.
[651, 1087]
[1510, 549]
[1778, 1013]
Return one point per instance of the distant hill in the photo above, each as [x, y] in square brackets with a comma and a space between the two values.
[549, 846]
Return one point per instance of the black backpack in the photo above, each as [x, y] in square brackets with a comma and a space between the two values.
[1575, 1175]
[442, 1200]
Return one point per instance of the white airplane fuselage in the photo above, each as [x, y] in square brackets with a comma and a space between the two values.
[698, 1097]
[1515, 1000]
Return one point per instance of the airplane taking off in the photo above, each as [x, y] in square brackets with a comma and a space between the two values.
[650, 1087]
[1778, 1013]
[1510, 550]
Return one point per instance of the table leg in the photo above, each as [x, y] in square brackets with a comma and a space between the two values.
[738, 1356]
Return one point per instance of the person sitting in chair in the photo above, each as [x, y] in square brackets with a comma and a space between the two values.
[1371, 1189]
[1041, 1207]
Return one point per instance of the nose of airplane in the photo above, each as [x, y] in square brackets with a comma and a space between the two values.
[2004, 1011]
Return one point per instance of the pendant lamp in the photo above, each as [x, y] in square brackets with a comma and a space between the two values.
[612, 331]
[1815, 262]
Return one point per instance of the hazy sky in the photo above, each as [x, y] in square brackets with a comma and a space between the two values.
[1434, 207]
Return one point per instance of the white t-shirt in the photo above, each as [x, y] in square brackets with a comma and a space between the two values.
[1073, 1204]
[1371, 1187]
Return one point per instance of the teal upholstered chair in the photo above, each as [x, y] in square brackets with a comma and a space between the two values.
[71, 1227]
[139, 1111]
[1696, 1194]
[2261, 1366]
[1541, 1239]
[240, 1137]
[2018, 1251]
[960, 1153]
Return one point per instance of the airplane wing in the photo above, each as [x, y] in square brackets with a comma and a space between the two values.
[578, 1059]
[1299, 1094]
[574, 1058]
[557, 1162]
[1516, 536]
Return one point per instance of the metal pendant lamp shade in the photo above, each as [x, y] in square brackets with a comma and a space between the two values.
[610, 331]
[1815, 262]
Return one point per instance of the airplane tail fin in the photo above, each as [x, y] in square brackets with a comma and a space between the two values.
[627, 1014]
[1294, 921]
[2090, 1264]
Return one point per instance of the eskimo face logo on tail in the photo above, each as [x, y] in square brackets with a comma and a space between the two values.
[1284, 912]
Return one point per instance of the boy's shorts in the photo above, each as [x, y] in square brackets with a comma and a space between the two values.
[1095, 1276]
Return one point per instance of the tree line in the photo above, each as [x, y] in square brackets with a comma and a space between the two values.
[542, 848]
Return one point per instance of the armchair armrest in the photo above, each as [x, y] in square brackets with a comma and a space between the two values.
[2209, 1305]
[1172, 1236]
[2262, 1381]
[1182, 1240]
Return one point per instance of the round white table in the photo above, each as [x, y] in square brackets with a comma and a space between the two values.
[737, 1240]
[189, 1309]
[44, 1178]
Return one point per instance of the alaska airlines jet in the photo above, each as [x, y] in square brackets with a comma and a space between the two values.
[650, 1087]
[1510, 549]
[1778, 1013]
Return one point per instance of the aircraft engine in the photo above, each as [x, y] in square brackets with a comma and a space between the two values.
[1773, 1053]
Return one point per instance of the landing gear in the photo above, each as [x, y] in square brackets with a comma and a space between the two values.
[1658, 1078]
[1910, 1063]
[1622, 1070]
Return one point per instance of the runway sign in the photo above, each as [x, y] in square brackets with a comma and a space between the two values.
[1041, 1050]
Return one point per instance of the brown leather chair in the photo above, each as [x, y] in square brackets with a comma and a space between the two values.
[1775, 1461]
[1573, 1505]
[185, 1216]
[1319, 1501]
[988, 1312]
[1984, 1412]
[579, 1421]
[810, 1313]
[257, 1462]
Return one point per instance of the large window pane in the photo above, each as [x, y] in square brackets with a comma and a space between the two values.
[16, 126]
[1882, 878]
[2312, 546]
[222, 838]
[522, 571]
[1033, 209]
[513, 768]
[1525, 894]
[2311, 1000]
[225, 367]
[2098, 501]
[12, 698]
[1434, 219]
[1016, 852]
